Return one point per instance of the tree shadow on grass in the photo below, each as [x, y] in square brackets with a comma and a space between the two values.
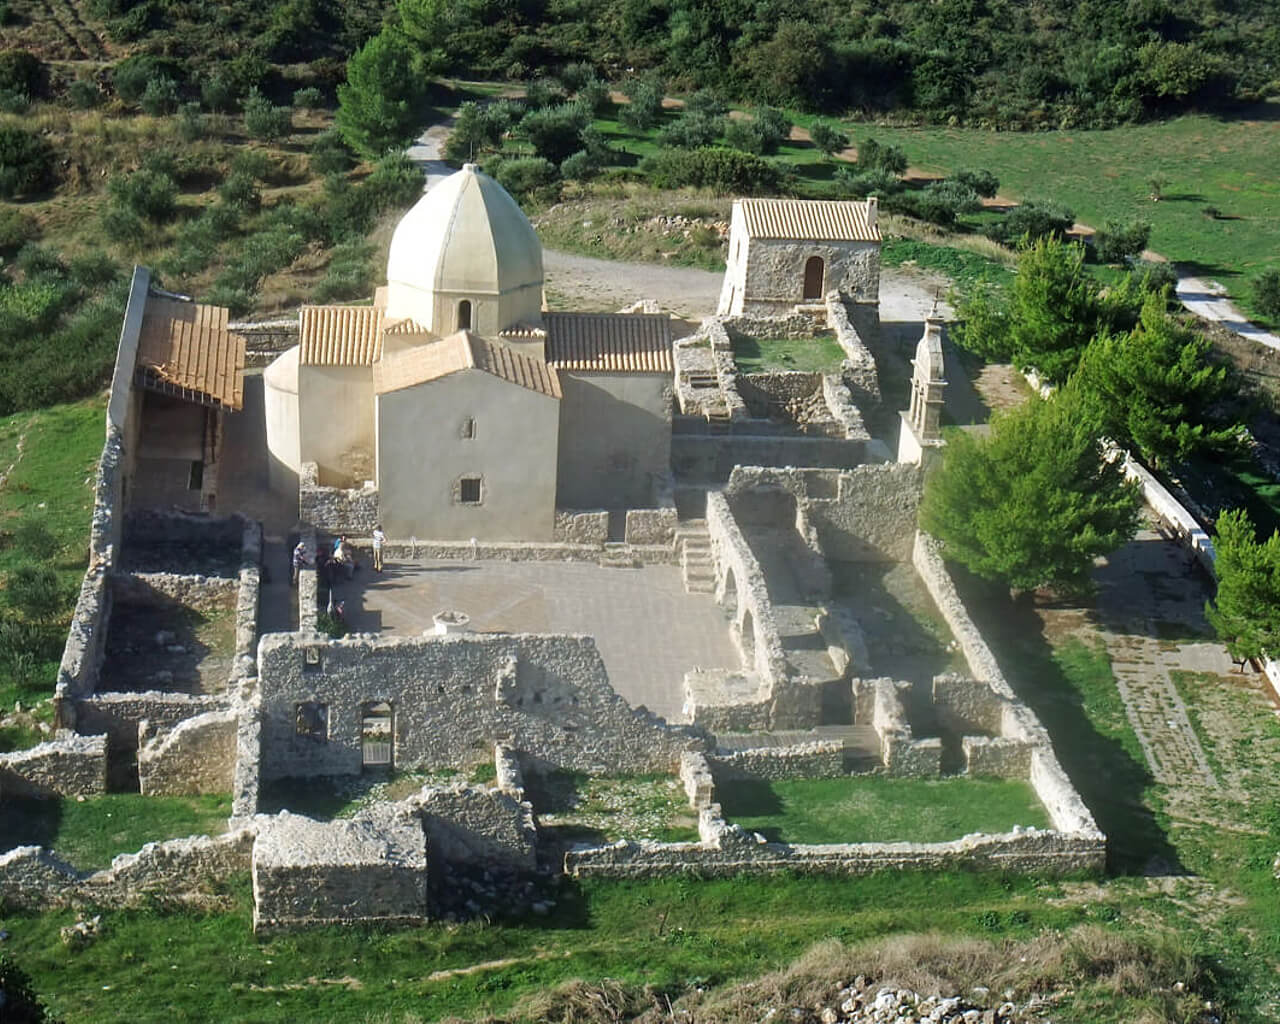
[751, 799]
[25, 822]
[1109, 779]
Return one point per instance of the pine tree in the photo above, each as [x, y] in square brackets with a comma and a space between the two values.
[1034, 503]
[1246, 611]
[382, 104]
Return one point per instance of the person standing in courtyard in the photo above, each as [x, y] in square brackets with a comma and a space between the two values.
[299, 560]
[379, 539]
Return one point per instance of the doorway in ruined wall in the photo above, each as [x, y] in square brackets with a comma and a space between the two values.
[730, 600]
[814, 271]
[747, 641]
[376, 735]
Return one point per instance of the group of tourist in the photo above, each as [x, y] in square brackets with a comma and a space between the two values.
[342, 557]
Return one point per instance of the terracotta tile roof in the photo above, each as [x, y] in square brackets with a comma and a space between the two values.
[609, 342]
[523, 332]
[818, 219]
[462, 351]
[186, 349]
[339, 335]
[404, 326]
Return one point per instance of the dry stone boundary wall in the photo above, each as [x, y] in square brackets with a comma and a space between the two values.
[198, 755]
[68, 765]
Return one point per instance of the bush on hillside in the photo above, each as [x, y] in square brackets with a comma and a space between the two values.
[724, 170]
[1033, 219]
[1266, 293]
[555, 132]
[330, 155]
[83, 94]
[308, 98]
[874, 156]
[857, 184]
[16, 229]
[692, 131]
[160, 97]
[22, 72]
[984, 183]
[263, 119]
[1117, 242]
[146, 193]
[132, 75]
[645, 107]
[828, 138]
[532, 176]
[26, 163]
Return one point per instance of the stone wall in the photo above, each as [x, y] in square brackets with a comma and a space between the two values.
[733, 852]
[69, 765]
[198, 755]
[475, 825]
[866, 513]
[840, 405]
[967, 706]
[306, 873]
[509, 775]
[792, 324]
[879, 702]
[453, 697]
[248, 767]
[822, 759]
[247, 600]
[699, 783]
[189, 872]
[157, 528]
[308, 583]
[165, 589]
[859, 371]
[740, 583]
[119, 714]
[576, 527]
[997, 757]
[336, 509]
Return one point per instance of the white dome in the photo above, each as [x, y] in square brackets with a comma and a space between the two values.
[466, 239]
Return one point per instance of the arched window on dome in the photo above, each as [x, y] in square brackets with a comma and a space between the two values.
[464, 315]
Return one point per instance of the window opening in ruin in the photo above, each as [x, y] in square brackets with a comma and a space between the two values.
[311, 719]
[464, 315]
[311, 659]
[196, 478]
[376, 734]
[730, 600]
[468, 431]
[747, 639]
[469, 490]
[814, 269]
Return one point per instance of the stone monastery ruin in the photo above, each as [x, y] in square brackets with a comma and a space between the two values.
[611, 553]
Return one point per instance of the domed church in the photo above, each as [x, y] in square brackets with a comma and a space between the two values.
[468, 407]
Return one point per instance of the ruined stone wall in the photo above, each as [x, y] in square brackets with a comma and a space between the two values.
[997, 757]
[783, 324]
[699, 783]
[518, 551]
[576, 527]
[336, 509]
[508, 771]
[728, 850]
[822, 759]
[866, 513]
[453, 698]
[198, 755]
[841, 407]
[118, 714]
[738, 572]
[308, 583]
[775, 271]
[476, 825]
[158, 528]
[163, 589]
[967, 706]
[859, 371]
[69, 765]
[712, 456]
[189, 872]
[248, 767]
[247, 601]
[879, 702]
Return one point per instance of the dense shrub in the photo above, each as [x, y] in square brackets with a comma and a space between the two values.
[394, 183]
[645, 106]
[240, 193]
[1266, 293]
[706, 102]
[35, 540]
[218, 93]
[330, 155]
[22, 72]
[477, 128]
[874, 156]
[580, 166]
[350, 274]
[594, 95]
[191, 122]
[308, 98]
[859, 184]
[692, 131]
[159, 97]
[828, 138]
[1116, 242]
[132, 75]
[724, 170]
[16, 229]
[263, 119]
[984, 183]
[26, 163]
[1035, 218]
[555, 132]
[147, 193]
[83, 94]
[531, 176]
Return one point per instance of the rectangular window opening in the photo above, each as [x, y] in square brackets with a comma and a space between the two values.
[469, 490]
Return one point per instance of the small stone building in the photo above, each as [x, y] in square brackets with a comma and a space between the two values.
[189, 371]
[785, 253]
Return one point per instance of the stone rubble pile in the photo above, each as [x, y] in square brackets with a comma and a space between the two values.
[492, 891]
[863, 1003]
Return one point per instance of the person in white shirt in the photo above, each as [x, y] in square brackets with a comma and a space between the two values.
[379, 538]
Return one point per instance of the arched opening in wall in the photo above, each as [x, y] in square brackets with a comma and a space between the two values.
[464, 315]
[730, 600]
[814, 270]
[747, 641]
[376, 735]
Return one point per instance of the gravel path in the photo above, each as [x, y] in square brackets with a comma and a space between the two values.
[1205, 299]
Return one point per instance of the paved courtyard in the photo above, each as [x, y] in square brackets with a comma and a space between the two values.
[649, 631]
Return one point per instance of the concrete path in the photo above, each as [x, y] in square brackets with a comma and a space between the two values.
[1151, 611]
[1206, 299]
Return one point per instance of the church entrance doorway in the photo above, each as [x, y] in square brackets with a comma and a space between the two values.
[814, 270]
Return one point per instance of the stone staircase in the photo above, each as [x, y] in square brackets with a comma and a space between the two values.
[695, 556]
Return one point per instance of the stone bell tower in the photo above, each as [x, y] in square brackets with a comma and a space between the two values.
[921, 433]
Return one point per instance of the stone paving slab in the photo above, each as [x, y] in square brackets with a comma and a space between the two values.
[649, 631]
[1151, 605]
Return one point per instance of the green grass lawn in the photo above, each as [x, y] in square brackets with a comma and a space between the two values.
[604, 809]
[875, 809]
[822, 354]
[89, 833]
[53, 453]
[1102, 175]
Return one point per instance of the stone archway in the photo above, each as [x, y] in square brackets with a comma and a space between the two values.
[729, 598]
[814, 271]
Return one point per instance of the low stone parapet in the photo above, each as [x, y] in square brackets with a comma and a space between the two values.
[652, 526]
[997, 757]
[336, 509]
[822, 759]
[581, 527]
[69, 765]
